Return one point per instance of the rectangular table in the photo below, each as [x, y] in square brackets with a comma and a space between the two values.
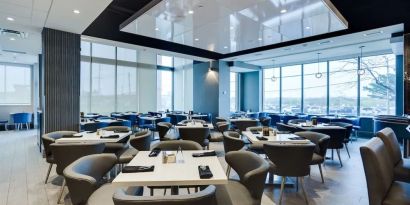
[318, 126]
[93, 137]
[194, 125]
[242, 119]
[174, 174]
[279, 138]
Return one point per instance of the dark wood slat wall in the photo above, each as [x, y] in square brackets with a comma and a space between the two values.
[61, 61]
[406, 73]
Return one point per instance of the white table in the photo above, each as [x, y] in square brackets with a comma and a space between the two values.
[194, 125]
[174, 174]
[93, 137]
[102, 120]
[243, 119]
[303, 125]
[279, 138]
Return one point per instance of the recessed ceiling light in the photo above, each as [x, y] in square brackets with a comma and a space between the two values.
[157, 29]
[283, 11]
[12, 39]
[76, 11]
[197, 39]
[259, 39]
[10, 18]
[307, 27]
[190, 12]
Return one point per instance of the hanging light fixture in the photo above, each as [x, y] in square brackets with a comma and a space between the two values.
[360, 70]
[318, 74]
[273, 78]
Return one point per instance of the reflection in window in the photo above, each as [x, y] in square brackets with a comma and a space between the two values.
[271, 90]
[127, 99]
[85, 87]
[125, 54]
[103, 88]
[378, 85]
[291, 89]
[233, 92]
[164, 90]
[314, 88]
[343, 87]
[15, 84]
[167, 61]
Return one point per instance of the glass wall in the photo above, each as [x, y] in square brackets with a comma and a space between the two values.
[15, 84]
[340, 90]
[127, 94]
[233, 94]
[292, 88]
[271, 90]
[164, 90]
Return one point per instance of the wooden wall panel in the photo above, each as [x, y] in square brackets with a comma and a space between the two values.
[61, 64]
[407, 73]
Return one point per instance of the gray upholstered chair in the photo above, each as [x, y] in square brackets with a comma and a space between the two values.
[265, 121]
[401, 165]
[348, 132]
[337, 136]
[163, 128]
[204, 197]
[248, 190]
[243, 124]
[232, 142]
[221, 127]
[321, 141]
[65, 154]
[382, 189]
[290, 160]
[257, 148]
[84, 178]
[49, 139]
[220, 119]
[287, 128]
[196, 134]
[117, 147]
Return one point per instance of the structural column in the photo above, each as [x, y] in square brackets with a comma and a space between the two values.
[61, 75]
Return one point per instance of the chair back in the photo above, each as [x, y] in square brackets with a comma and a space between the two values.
[232, 141]
[391, 143]
[243, 124]
[65, 154]
[22, 117]
[251, 169]
[263, 114]
[253, 115]
[320, 140]
[274, 119]
[173, 118]
[378, 169]
[296, 121]
[220, 119]
[291, 160]
[94, 126]
[175, 144]
[347, 126]
[287, 128]
[83, 176]
[286, 118]
[196, 134]
[222, 126]
[203, 197]
[141, 141]
[125, 123]
[257, 128]
[50, 138]
[163, 128]
[337, 136]
[265, 121]
[322, 120]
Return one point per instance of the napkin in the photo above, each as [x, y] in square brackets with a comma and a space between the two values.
[134, 169]
[72, 136]
[204, 172]
[154, 152]
[205, 125]
[110, 137]
[262, 138]
[297, 138]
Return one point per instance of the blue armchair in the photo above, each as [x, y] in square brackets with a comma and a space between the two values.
[19, 119]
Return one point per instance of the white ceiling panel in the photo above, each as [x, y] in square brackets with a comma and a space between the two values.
[226, 26]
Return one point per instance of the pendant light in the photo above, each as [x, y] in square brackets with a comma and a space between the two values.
[318, 74]
[273, 78]
[360, 70]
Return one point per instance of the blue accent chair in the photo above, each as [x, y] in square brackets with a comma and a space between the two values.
[125, 123]
[396, 123]
[4, 123]
[274, 118]
[19, 119]
[263, 114]
[286, 118]
[180, 118]
[253, 115]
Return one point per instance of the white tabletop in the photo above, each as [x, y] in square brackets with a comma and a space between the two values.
[102, 120]
[173, 174]
[303, 125]
[243, 119]
[279, 138]
[93, 137]
[151, 118]
[192, 125]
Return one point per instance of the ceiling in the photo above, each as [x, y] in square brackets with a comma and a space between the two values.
[361, 15]
[226, 26]
[30, 16]
[376, 41]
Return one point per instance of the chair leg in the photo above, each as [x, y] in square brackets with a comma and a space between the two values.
[151, 191]
[189, 192]
[282, 186]
[297, 184]
[48, 172]
[303, 189]
[321, 173]
[338, 155]
[228, 171]
[347, 149]
[61, 192]
[332, 154]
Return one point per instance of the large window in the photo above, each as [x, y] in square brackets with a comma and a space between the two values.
[167, 61]
[271, 90]
[127, 96]
[315, 88]
[378, 85]
[291, 89]
[343, 87]
[15, 84]
[103, 88]
[164, 90]
[233, 94]
[85, 87]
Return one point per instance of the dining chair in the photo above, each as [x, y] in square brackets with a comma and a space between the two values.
[321, 141]
[94, 126]
[336, 142]
[84, 179]
[243, 124]
[20, 119]
[204, 197]
[290, 160]
[286, 118]
[65, 154]
[382, 188]
[220, 119]
[265, 121]
[348, 132]
[296, 121]
[176, 144]
[49, 139]
[401, 165]
[220, 127]
[196, 134]
[120, 146]
[124, 123]
[5, 124]
[163, 129]
[141, 141]
[274, 118]
[232, 142]
[287, 128]
[248, 190]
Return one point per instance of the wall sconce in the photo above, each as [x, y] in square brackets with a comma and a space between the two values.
[212, 66]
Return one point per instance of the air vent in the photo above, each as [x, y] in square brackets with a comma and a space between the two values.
[13, 33]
